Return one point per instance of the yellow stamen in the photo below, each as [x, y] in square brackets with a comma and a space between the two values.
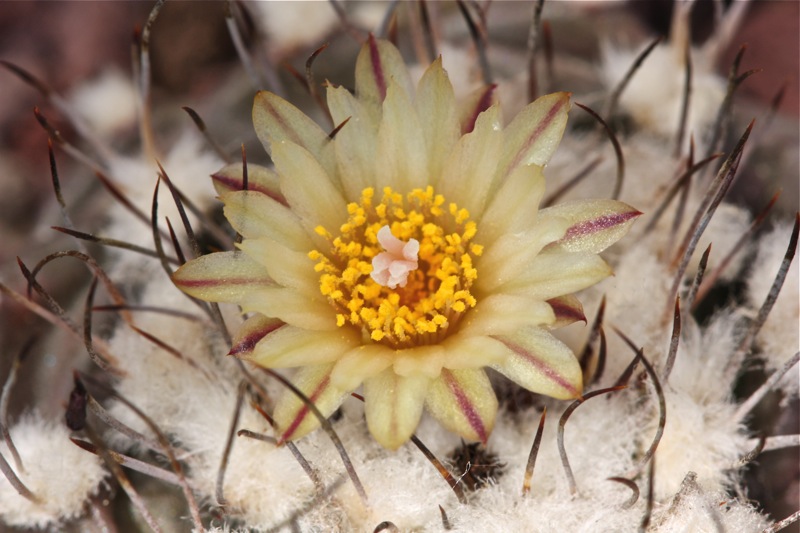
[429, 246]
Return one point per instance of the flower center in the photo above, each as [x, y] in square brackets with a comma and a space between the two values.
[400, 270]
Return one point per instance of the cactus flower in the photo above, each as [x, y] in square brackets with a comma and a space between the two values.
[406, 253]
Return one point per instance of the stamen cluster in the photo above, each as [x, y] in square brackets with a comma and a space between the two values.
[435, 294]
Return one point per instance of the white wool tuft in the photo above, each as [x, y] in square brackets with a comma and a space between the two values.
[777, 339]
[727, 226]
[59, 473]
[700, 438]
[291, 25]
[189, 165]
[705, 358]
[107, 103]
[266, 484]
[694, 509]
[654, 95]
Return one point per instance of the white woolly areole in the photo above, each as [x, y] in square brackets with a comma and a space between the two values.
[695, 509]
[779, 338]
[188, 164]
[107, 103]
[726, 227]
[59, 473]
[290, 25]
[654, 95]
[705, 368]
[705, 439]
[194, 403]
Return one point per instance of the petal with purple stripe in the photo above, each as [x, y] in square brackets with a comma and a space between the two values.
[221, 277]
[276, 120]
[251, 332]
[393, 406]
[568, 309]
[594, 224]
[464, 402]
[259, 179]
[254, 215]
[534, 134]
[476, 103]
[378, 63]
[287, 267]
[541, 363]
[290, 346]
[293, 417]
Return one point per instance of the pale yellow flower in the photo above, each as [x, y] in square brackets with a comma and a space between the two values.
[407, 253]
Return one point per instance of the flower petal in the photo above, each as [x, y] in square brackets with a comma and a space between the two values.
[556, 274]
[251, 332]
[438, 115]
[473, 351]
[475, 104]
[276, 120]
[498, 314]
[255, 215]
[290, 346]
[463, 402]
[513, 253]
[355, 144]
[594, 224]
[290, 306]
[514, 207]
[419, 361]
[259, 179]
[541, 363]
[359, 364]
[393, 406]
[402, 153]
[534, 134]
[292, 416]
[377, 64]
[465, 178]
[567, 309]
[221, 277]
[308, 188]
[285, 266]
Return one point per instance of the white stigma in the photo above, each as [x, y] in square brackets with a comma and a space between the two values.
[391, 268]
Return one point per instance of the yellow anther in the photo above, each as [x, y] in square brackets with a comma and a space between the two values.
[433, 294]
